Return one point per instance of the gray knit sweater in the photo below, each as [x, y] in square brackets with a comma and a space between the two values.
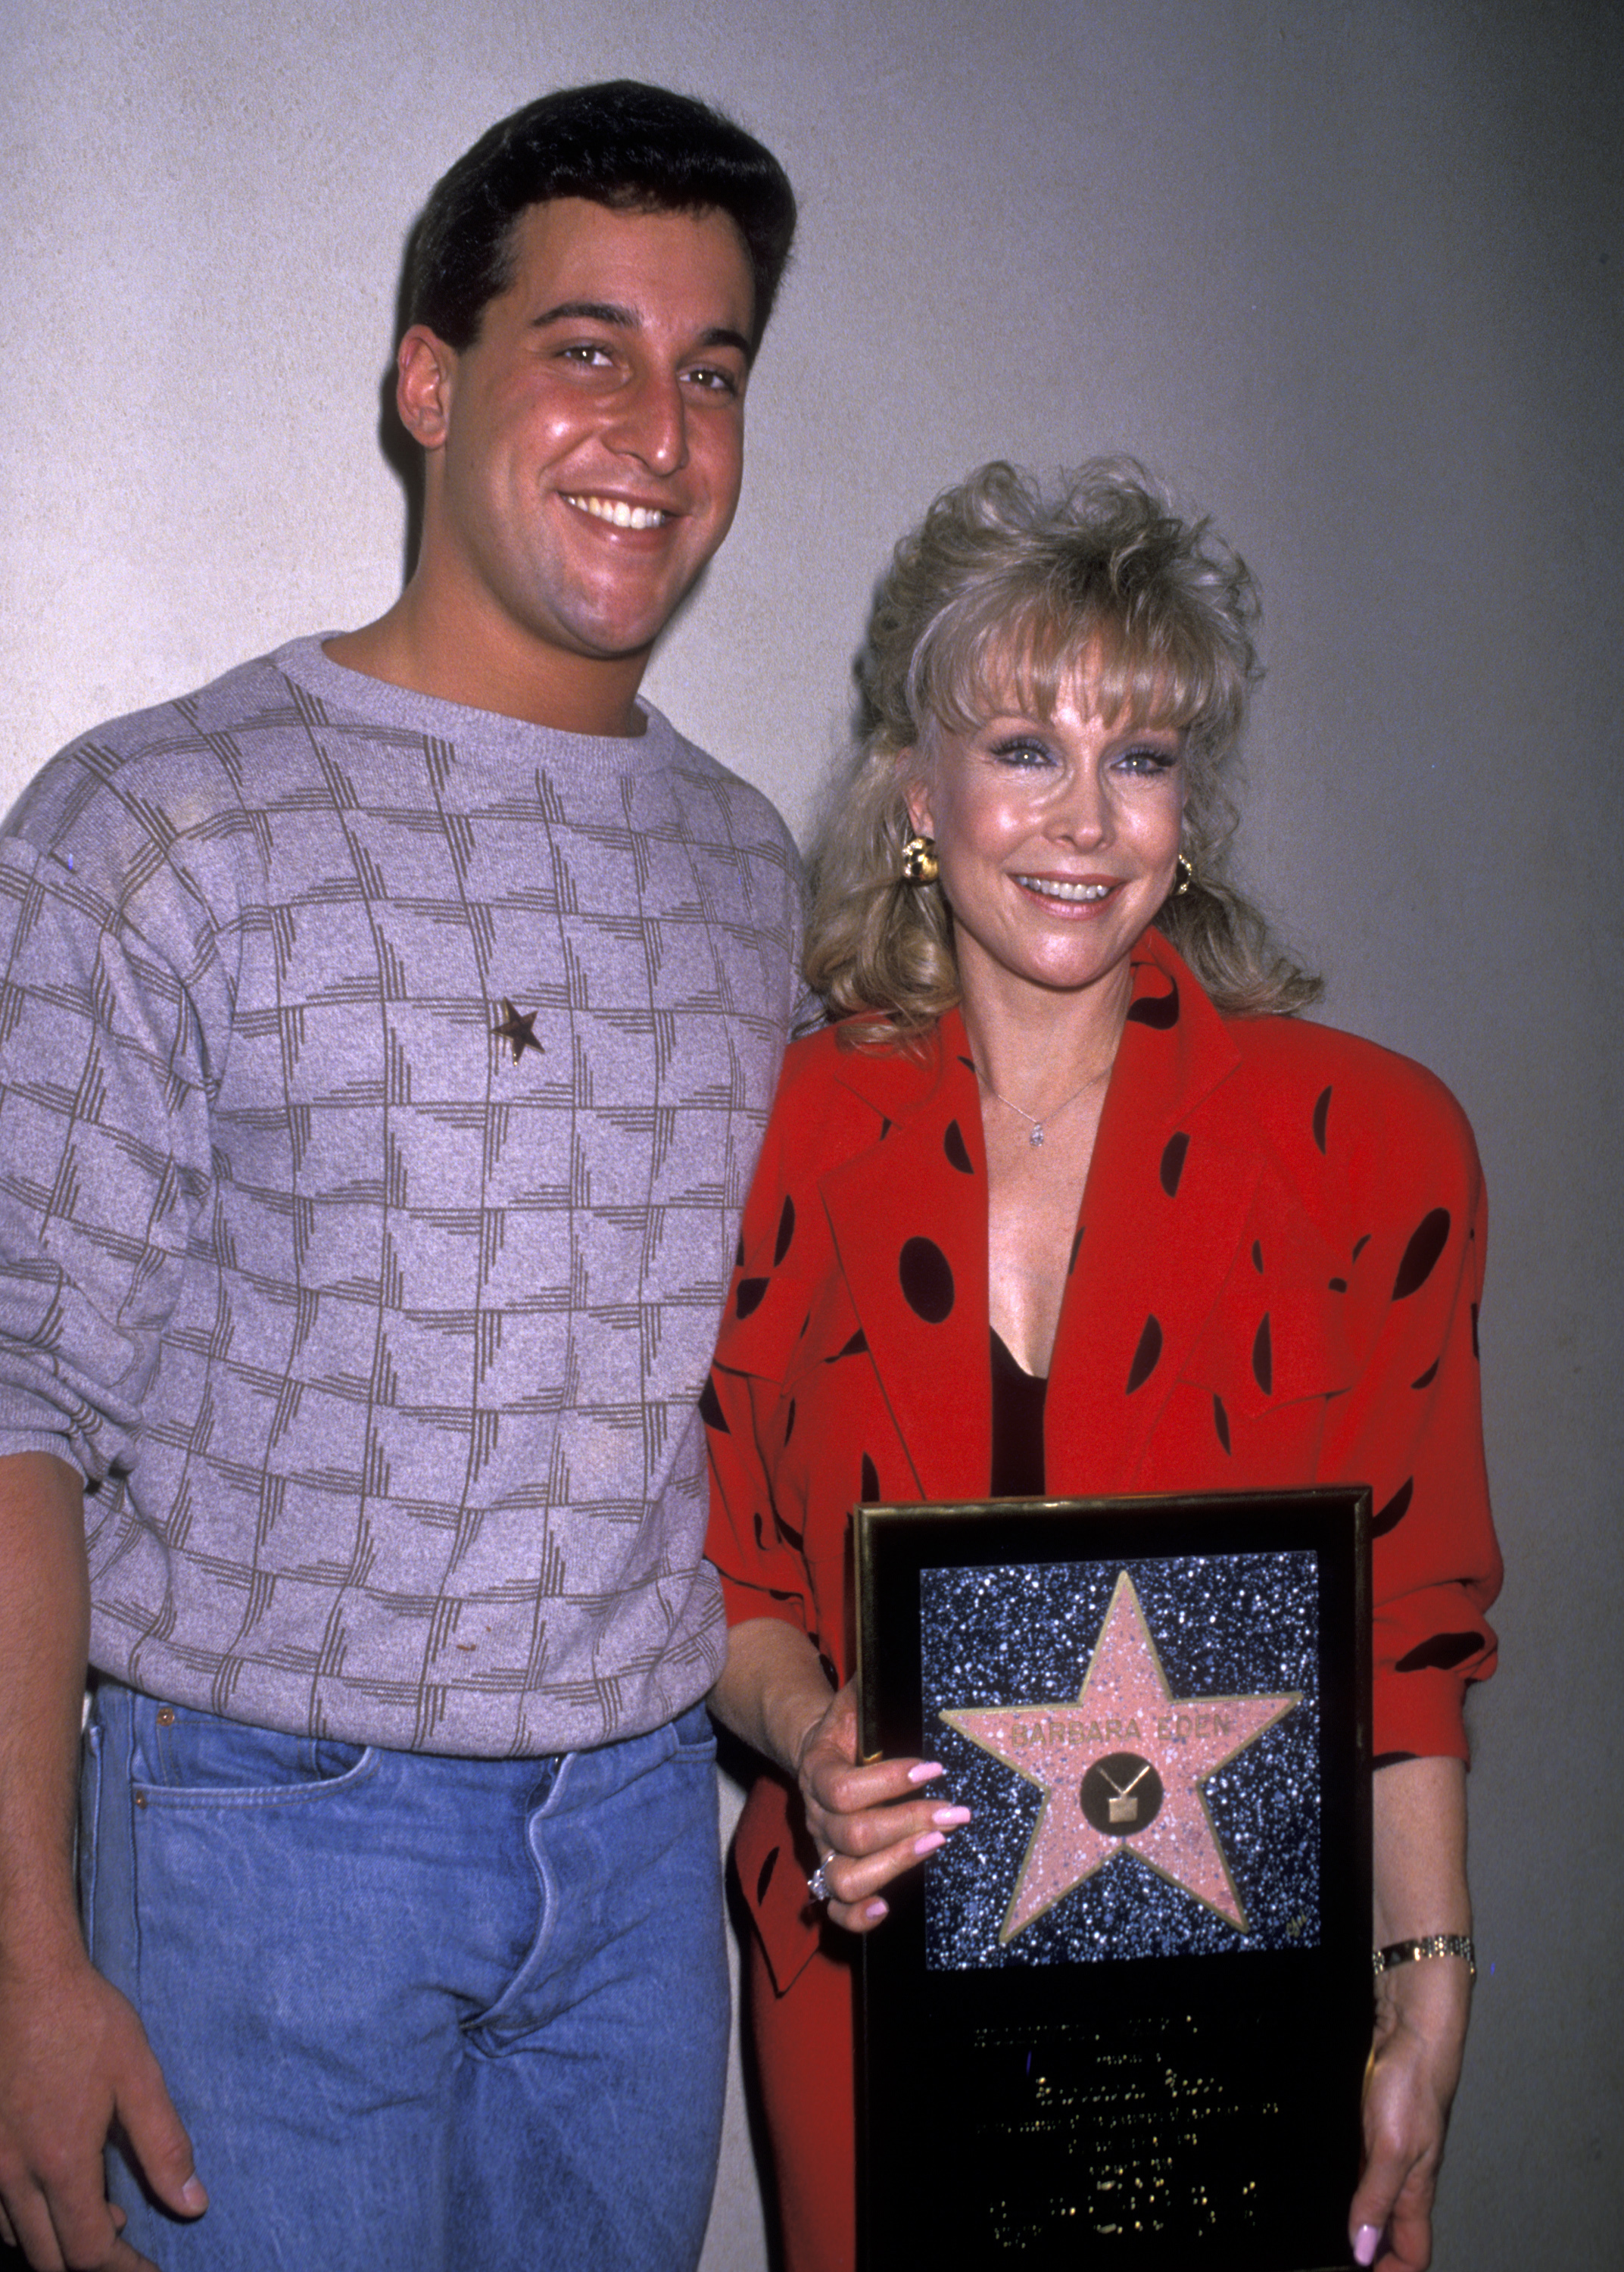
[378, 1349]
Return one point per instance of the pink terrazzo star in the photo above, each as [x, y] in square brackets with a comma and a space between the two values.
[1130, 1753]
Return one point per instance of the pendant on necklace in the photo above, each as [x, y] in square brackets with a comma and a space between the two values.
[1037, 1132]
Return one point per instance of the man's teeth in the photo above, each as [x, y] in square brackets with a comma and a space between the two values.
[1048, 889]
[623, 515]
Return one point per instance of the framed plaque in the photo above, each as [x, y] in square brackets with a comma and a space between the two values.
[1121, 2017]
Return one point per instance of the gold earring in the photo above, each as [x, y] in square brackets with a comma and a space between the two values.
[919, 864]
[1184, 876]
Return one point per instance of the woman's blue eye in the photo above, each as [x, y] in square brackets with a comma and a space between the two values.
[1021, 753]
[1149, 762]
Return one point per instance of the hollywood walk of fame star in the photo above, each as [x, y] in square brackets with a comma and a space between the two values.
[1121, 1771]
[521, 1031]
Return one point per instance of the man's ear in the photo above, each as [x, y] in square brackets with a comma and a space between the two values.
[424, 376]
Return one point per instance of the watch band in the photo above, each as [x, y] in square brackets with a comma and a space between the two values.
[1435, 1944]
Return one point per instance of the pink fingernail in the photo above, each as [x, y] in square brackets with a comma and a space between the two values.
[926, 1771]
[1366, 2240]
[951, 1817]
[875, 1911]
[930, 1842]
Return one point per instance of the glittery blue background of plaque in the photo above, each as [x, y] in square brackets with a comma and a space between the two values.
[1223, 1626]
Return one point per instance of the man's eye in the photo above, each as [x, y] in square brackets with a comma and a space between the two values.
[588, 353]
[712, 380]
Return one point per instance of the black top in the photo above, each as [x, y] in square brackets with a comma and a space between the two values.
[1018, 1428]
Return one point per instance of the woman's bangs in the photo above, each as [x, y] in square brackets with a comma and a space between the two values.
[1020, 661]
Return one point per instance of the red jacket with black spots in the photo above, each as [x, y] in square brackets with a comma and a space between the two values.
[1274, 1281]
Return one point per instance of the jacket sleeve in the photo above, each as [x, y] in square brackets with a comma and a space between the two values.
[761, 1570]
[1411, 1423]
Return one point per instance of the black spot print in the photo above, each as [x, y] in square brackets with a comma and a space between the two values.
[1172, 1162]
[789, 1421]
[1428, 1242]
[959, 1153]
[1076, 1248]
[711, 1407]
[1220, 1420]
[870, 1490]
[747, 1298]
[1262, 1358]
[805, 1322]
[737, 1257]
[1257, 1256]
[761, 1535]
[1389, 1759]
[1359, 1244]
[853, 1347]
[1321, 1111]
[765, 1878]
[781, 1594]
[1338, 1285]
[831, 1670]
[787, 1229]
[927, 1280]
[968, 1064]
[1146, 1356]
[1425, 1380]
[1475, 1350]
[1442, 1653]
[886, 1126]
[791, 1537]
[1392, 1514]
[1158, 1012]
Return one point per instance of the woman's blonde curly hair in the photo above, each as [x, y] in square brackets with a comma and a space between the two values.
[991, 604]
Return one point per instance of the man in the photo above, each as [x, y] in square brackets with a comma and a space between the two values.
[386, 1033]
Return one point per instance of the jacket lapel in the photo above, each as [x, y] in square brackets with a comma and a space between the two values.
[1169, 1190]
[909, 1218]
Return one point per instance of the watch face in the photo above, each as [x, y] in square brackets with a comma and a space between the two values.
[1120, 1794]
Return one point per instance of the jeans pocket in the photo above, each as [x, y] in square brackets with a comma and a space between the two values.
[695, 1738]
[184, 1758]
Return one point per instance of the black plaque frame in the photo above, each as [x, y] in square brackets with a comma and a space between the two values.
[1141, 2111]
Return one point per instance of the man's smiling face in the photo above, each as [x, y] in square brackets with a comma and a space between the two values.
[585, 452]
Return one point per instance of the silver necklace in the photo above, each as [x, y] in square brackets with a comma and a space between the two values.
[1037, 1125]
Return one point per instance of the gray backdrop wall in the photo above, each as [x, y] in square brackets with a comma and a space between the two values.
[1350, 274]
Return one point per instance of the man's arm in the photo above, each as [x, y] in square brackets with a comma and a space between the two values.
[73, 2056]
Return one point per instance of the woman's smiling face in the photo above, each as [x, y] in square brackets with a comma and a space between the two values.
[1056, 836]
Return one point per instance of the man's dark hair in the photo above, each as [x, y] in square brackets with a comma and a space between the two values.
[633, 148]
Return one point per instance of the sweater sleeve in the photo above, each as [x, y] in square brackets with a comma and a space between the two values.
[105, 1156]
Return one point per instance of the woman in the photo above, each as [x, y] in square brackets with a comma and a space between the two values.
[1066, 1102]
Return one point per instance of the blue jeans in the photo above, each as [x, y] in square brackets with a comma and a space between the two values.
[436, 2015]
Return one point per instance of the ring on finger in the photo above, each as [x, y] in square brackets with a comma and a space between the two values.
[818, 1884]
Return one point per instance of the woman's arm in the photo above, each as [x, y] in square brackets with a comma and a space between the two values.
[775, 1694]
[1419, 1856]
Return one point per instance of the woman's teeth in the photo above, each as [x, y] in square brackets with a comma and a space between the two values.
[1048, 889]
